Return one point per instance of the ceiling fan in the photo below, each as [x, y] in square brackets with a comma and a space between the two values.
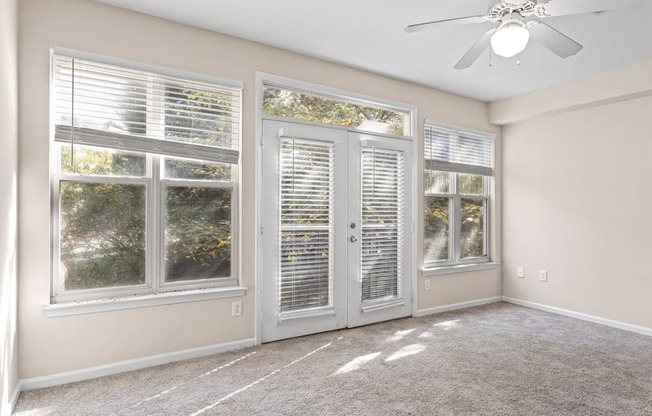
[518, 21]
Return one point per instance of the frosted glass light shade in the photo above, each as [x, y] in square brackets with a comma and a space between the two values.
[510, 40]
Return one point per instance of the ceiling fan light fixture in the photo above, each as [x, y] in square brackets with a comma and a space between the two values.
[510, 39]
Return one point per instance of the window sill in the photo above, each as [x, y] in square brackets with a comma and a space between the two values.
[462, 268]
[116, 304]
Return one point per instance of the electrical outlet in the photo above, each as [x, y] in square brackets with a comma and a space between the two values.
[543, 275]
[520, 272]
[427, 284]
[236, 308]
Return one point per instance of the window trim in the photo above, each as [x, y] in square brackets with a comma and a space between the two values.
[155, 290]
[56, 310]
[141, 66]
[454, 263]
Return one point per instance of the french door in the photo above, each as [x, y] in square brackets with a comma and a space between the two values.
[337, 224]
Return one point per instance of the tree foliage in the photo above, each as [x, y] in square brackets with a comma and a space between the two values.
[301, 106]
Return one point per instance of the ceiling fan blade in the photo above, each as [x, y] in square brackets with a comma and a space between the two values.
[552, 39]
[476, 50]
[445, 23]
[567, 7]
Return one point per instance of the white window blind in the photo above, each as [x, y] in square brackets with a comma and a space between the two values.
[382, 223]
[306, 266]
[452, 150]
[103, 105]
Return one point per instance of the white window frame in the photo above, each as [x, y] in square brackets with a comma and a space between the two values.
[455, 210]
[155, 184]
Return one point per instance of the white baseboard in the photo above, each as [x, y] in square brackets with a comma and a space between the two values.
[455, 306]
[130, 365]
[14, 397]
[577, 315]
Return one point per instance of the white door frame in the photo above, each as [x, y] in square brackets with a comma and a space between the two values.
[261, 80]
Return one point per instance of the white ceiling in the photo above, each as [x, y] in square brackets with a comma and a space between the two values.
[368, 34]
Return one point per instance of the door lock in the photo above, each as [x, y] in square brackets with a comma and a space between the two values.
[353, 239]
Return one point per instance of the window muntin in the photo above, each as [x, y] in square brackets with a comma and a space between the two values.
[145, 181]
[309, 106]
[458, 170]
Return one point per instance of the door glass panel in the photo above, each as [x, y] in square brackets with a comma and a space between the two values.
[306, 231]
[382, 223]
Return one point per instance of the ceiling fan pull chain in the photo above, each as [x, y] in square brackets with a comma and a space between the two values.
[518, 60]
[491, 62]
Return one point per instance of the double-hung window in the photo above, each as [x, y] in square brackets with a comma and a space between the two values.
[145, 181]
[458, 172]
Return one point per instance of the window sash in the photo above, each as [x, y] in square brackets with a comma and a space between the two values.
[154, 239]
[165, 286]
[455, 224]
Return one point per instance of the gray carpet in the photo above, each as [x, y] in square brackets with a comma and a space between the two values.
[497, 359]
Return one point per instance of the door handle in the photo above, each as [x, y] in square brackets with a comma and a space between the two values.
[353, 239]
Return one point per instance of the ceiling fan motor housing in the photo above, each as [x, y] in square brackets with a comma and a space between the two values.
[503, 8]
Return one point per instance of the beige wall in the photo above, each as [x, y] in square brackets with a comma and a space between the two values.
[576, 198]
[8, 199]
[62, 344]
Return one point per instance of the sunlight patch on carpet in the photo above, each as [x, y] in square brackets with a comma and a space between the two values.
[43, 411]
[164, 392]
[447, 325]
[356, 363]
[406, 351]
[260, 380]
[399, 335]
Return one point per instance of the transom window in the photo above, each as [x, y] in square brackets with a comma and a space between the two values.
[145, 181]
[458, 170]
[309, 106]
